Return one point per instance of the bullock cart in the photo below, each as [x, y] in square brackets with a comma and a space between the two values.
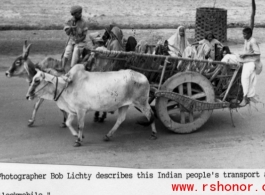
[185, 91]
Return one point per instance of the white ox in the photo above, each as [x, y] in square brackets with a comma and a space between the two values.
[81, 91]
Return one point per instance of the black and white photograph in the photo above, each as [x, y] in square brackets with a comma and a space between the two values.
[136, 85]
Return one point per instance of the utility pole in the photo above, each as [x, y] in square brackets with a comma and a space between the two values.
[252, 19]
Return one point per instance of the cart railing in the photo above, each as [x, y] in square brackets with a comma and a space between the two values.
[123, 54]
[158, 68]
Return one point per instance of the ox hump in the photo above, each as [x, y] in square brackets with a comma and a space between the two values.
[77, 68]
[138, 77]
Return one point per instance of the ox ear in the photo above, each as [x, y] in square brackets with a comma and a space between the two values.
[37, 70]
[26, 49]
[67, 77]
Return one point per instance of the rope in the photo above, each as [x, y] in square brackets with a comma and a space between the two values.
[56, 87]
[42, 87]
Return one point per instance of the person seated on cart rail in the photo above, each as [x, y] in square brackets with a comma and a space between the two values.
[113, 38]
[228, 56]
[131, 43]
[212, 42]
[252, 66]
[225, 50]
[76, 28]
[178, 42]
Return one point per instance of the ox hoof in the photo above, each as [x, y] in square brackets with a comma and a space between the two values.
[77, 144]
[30, 123]
[63, 125]
[106, 138]
[153, 136]
[101, 120]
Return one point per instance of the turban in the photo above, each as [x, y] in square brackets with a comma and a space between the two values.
[75, 9]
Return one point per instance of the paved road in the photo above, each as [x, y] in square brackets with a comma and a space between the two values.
[216, 145]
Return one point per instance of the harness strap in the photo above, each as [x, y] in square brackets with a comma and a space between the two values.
[55, 93]
[56, 86]
[41, 88]
[55, 99]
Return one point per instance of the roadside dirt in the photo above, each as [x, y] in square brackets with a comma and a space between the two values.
[53, 41]
[50, 14]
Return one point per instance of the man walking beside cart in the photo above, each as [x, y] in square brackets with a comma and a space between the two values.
[251, 66]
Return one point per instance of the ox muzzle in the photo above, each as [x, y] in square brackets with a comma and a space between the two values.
[8, 74]
[30, 96]
[31, 93]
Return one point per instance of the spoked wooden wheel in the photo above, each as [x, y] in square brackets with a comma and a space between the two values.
[172, 114]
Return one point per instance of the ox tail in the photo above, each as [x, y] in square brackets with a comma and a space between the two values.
[147, 123]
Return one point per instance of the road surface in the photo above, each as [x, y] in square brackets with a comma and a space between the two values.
[216, 145]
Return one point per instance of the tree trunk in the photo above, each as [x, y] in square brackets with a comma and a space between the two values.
[252, 20]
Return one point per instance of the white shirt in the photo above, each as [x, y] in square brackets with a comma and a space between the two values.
[251, 46]
[230, 58]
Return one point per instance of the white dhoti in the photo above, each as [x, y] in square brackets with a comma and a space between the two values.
[74, 51]
[249, 79]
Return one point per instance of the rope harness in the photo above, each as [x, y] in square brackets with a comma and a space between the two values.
[55, 97]
[56, 87]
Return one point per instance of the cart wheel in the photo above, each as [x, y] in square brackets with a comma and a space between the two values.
[172, 115]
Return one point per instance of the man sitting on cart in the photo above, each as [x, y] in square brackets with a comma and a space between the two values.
[76, 28]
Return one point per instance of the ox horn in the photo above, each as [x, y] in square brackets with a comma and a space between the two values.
[26, 49]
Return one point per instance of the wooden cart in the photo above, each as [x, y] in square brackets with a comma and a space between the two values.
[186, 91]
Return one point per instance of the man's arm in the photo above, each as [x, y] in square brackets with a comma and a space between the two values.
[80, 39]
[84, 33]
[68, 27]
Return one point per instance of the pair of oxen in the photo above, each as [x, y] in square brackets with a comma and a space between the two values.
[79, 91]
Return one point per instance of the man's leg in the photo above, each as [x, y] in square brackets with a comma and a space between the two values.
[248, 80]
[67, 55]
[64, 62]
[75, 56]
[252, 92]
[78, 49]
[252, 85]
